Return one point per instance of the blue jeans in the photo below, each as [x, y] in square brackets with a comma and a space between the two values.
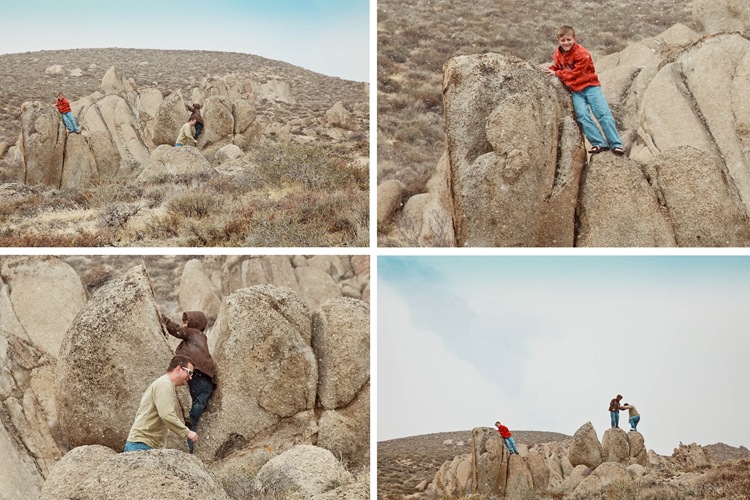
[511, 444]
[634, 422]
[131, 446]
[593, 97]
[198, 129]
[615, 418]
[70, 122]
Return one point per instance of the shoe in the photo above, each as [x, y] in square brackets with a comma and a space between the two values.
[598, 149]
[189, 423]
[618, 151]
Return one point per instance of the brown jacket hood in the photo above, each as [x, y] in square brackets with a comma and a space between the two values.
[195, 319]
[194, 342]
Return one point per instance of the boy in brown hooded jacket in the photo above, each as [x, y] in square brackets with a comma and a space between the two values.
[195, 346]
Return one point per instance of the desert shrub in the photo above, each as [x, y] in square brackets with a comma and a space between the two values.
[115, 216]
[81, 239]
[96, 276]
[195, 203]
[282, 230]
[312, 166]
[165, 226]
[114, 190]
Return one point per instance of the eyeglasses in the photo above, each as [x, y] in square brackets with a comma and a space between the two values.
[190, 372]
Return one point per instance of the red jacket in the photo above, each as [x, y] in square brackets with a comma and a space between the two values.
[504, 432]
[575, 68]
[63, 106]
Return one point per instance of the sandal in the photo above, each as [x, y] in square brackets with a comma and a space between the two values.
[598, 149]
[618, 151]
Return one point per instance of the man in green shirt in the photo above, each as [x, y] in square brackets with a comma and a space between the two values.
[158, 409]
[186, 134]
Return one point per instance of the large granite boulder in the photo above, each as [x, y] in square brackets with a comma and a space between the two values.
[66, 477]
[112, 352]
[586, 448]
[515, 153]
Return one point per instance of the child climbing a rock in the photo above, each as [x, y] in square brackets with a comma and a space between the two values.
[574, 67]
[195, 109]
[507, 437]
[63, 106]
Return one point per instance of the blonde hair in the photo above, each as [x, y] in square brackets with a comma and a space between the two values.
[565, 30]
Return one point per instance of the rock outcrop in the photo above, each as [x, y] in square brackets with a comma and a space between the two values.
[586, 448]
[517, 174]
[514, 150]
[113, 350]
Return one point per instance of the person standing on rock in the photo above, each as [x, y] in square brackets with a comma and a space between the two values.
[63, 106]
[186, 134]
[614, 411]
[507, 437]
[195, 109]
[195, 346]
[157, 412]
[635, 417]
[574, 67]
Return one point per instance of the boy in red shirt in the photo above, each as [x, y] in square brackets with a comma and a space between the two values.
[575, 68]
[507, 437]
[63, 106]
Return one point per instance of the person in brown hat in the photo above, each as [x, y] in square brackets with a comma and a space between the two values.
[195, 109]
[195, 346]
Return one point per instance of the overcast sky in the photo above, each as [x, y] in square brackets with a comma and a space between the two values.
[544, 343]
[326, 36]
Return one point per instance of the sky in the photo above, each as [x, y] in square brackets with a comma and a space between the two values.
[544, 343]
[326, 36]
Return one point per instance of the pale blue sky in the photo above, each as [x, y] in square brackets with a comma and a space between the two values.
[326, 36]
[543, 343]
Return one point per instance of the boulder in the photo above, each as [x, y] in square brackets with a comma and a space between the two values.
[66, 477]
[339, 116]
[520, 482]
[263, 334]
[515, 153]
[491, 457]
[173, 161]
[638, 452]
[618, 207]
[42, 143]
[171, 115]
[615, 446]
[44, 284]
[152, 474]
[704, 208]
[197, 292]
[723, 16]
[113, 83]
[692, 455]
[237, 472]
[636, 471]
[316, 286]
[604, 475]
[341, 340]
[112, 352]
[346, 431]
[540, 473]
[575, 477]
[10, 323]
[390, 194]
[304, 472]
[586, 449]
[219, 123]
[227, 153]
[277, 90]
[274, 270]
[20, 478]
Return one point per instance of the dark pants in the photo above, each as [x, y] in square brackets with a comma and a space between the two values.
[198, 130]
[201, 387]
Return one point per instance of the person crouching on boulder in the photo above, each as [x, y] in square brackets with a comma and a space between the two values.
[635, 417]
[63, 106]
[186, 134]
[507, 437]
[195, 346]
[574, 67]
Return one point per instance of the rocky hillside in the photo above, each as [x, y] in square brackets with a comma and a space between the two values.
[290, 324]
[39, 76]
[283, 160]
[514, 170]
[476, 463]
